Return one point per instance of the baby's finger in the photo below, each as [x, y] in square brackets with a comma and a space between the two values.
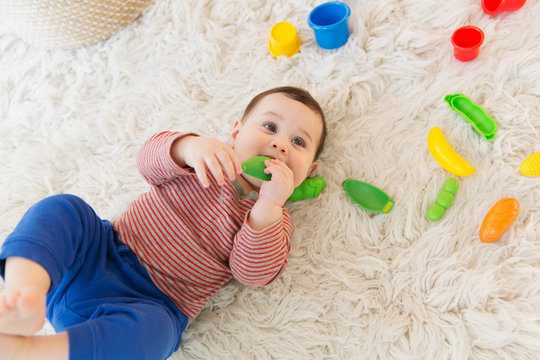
[226, 164]
[235, 160]
[272, 169]
[274, 164]
[200, 170]
[268, 165]
[278, 169]
[215, 169]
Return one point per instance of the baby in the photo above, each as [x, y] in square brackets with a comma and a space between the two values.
[126, 289]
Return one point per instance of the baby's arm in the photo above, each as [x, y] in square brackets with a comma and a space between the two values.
[204, 153]
[272, 195]
[169, 155]
[258, 256]
[155, 162]
[261, 247]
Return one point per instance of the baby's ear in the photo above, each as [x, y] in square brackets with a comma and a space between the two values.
[236, 124]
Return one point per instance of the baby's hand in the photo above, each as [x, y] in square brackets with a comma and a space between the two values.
[281, 186]
[202, 153]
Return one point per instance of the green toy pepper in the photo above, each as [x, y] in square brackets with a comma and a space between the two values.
[255, 167]
[309, 188]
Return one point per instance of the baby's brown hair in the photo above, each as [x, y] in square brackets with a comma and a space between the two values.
[299, 95]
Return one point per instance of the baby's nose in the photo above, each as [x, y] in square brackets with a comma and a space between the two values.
[282, 148]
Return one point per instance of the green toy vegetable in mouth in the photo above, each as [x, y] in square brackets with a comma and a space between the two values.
[309, 188]
[255, 167]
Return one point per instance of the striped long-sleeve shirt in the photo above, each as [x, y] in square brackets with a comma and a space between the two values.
[193, 240]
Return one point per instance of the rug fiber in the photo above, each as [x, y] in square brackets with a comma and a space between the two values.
[358, 285]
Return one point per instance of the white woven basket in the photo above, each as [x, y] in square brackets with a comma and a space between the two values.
[67, 24]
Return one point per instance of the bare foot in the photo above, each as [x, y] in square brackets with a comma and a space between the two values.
[22, 312]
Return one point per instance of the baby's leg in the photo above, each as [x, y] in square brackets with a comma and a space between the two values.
[52, 239]
[34, 347]
[137, 330]
[22, 303]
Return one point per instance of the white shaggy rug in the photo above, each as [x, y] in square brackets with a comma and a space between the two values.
[358, 285]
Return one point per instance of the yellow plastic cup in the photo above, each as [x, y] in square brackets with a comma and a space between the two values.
[284, 39]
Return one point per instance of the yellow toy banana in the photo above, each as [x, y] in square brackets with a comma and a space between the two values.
[445, 155]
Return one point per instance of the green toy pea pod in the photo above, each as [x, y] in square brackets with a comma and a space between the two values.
[444, 200]
[474, 114]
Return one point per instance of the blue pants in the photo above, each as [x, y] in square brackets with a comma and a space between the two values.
[100, 293]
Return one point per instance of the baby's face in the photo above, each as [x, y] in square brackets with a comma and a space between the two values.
[281, 128]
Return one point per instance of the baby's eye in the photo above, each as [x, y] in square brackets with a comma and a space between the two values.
[271, 127]
[299, 142]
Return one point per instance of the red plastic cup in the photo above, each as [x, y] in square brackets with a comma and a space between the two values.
[467, 41]
[494, 7]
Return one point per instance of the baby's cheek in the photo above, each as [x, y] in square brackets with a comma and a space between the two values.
[299, 178]
[301, 175]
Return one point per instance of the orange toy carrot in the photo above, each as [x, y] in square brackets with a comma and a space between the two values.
[498, 219]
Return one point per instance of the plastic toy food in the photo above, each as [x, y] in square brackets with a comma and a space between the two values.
[467, 41]
[474, 114]
[329, 22]
[498, 219]
[449, 159]
[368, 196]
[494, 7]
[444, 200]
[284, 39]
[255, 167]
[531, 165]
[309, 188]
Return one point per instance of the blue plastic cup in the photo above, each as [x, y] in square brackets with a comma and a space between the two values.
[329, 21]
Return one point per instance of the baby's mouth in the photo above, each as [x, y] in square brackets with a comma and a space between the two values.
[253, 166]
[273, 157]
